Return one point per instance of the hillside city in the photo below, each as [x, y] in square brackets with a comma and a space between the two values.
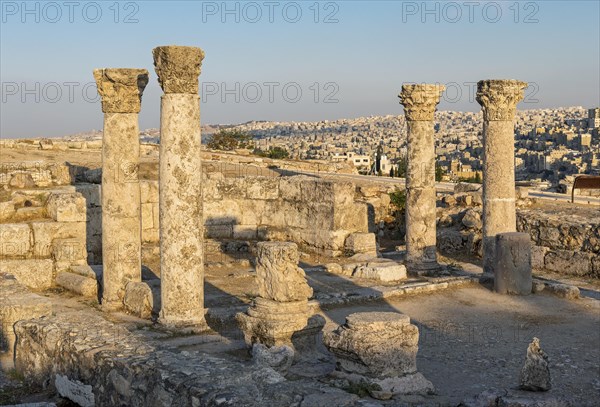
[550, 144]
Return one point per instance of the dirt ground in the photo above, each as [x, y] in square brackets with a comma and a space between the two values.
[472, 340]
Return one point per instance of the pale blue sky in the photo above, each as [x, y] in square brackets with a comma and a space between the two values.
[359, 62]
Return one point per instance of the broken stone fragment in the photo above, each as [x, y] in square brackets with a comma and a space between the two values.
[375, 344]
[279, 358]
[535, 374]
[278, 275]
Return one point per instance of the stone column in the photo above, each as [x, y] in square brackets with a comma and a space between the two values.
[419, 103]
[512, 271]
[180, 188]
[498, 100]
[121, 91]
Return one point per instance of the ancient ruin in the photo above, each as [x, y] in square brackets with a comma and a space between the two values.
[498, 100]
[121, 91]
[181, 216]
[157, 272]
[419, 105]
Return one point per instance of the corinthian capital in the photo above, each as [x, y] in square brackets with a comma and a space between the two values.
[420, 100]
[499, 98]
[121, 89]
[178, 68]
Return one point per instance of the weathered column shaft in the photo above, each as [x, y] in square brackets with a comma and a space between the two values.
[121, 91]
[419, 105]
[180, 188]
[498, 99]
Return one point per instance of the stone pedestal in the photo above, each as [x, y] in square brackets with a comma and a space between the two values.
[121, 91]
[419, 106]
[375, 344]
[180, 188]
[512, 271]
[379, 348]
[279, 316]
[498, 100]
[273, 323]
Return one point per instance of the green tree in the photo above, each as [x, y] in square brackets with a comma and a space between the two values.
[439, 173]
[398, 198]
[276, 153]
[402, 166]
[478, 177]
[229, 139]
[392, 172]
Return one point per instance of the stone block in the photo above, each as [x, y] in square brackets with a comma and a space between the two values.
[148, 191]
[67, 207]
[472, 220]
[361, 243]
[84, 271]
[15, 240]
[67, 252]
[16, 304]
[381, 271]
[33, 273]
[93, 144]
[138, 299]
[77, 284]
[211, 187]
[569, 262]
[7, 211]
[273, 323]
[254, 211]
[262, 188]
[224, 212]
[375, 344]
[538, 254]
[79, 393]
[353, 216]
[569, 292]
[218, 231]
[148, 216]
[467, 187]
[233, 188]
[512, 268]
[44, 232]
[290, 188]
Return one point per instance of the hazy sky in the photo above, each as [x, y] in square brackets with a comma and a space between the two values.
[280, 60]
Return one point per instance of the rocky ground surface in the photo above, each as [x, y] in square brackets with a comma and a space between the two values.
[472, 341]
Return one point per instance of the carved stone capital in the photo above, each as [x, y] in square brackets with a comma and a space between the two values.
[178, 68]
[420, 100]
[121, 89]
[499, 98]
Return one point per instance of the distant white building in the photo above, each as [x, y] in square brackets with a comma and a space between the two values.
[356, 159]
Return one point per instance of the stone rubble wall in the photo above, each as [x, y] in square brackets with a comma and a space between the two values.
[567, 244]
[51, 144]
[96, 362]
[564, 243]
[35, 174]
[42, 232]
